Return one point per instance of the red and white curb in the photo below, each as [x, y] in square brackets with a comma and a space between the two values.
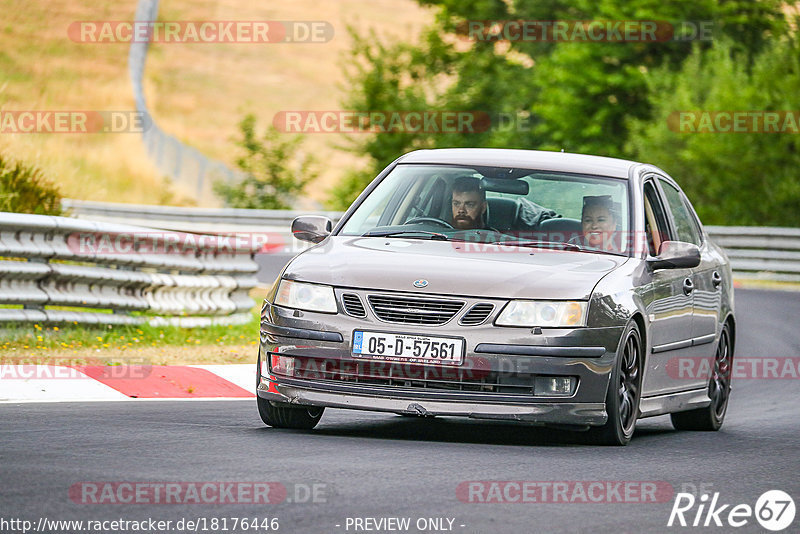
[51, 383]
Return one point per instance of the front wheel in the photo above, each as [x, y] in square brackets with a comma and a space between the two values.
[295, 417]
[719, 390]
[624, 391]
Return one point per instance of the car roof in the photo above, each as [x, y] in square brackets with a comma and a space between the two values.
[525, 159]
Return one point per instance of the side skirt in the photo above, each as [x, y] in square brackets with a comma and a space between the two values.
[674, 402]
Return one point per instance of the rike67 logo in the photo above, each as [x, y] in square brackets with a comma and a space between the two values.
[774, 510]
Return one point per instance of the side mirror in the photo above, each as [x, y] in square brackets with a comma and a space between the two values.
[676, 255]
[312, 228]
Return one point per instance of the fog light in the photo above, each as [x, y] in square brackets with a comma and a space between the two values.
[554, 386]
[282, 365]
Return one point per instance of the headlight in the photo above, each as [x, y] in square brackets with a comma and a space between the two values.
[543, 313]
[302, 296]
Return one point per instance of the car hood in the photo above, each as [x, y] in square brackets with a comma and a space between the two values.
[452, 268]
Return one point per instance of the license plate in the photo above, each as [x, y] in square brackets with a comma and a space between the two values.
[408, 348]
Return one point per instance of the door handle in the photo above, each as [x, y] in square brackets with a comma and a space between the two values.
[716, 279]
[688, 286]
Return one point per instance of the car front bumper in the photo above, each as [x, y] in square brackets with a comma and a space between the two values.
[508, 354]
[564, 413]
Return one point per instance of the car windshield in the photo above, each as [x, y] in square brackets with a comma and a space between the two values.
[497, 205]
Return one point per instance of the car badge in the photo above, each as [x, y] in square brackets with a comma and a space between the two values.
[420, 283]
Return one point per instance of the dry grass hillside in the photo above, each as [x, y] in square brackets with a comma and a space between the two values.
[197, 92]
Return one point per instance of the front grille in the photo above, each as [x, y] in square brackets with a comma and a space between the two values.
[477, 314]
[414, 310]
[353, 306]
[378, 373]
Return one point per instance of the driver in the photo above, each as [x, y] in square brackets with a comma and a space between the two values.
[469, 203]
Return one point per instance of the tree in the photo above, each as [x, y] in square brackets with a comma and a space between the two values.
[579, 96]
[430, 75]
[275, 171]
[734, 178]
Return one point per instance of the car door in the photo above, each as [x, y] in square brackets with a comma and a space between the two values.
[669, 303]
[706, 277]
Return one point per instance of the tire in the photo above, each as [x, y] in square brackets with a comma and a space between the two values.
[624, 391]
[276, 416]
[295, 417]
[712, 416]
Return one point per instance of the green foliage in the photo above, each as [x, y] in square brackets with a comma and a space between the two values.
[275, 171]
[732, 178]
[579, 96]
[585, 91]
[348, 189]
[24, 189]
[430, 75]
[595, 88]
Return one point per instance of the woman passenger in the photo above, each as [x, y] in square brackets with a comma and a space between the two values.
[599, 224]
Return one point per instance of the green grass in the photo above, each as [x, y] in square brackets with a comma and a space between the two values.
[44, 339]
[197, 92]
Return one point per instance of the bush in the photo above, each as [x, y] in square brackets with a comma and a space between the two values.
[566, 95]
[731, 178]
[275, 172]
[24, 189]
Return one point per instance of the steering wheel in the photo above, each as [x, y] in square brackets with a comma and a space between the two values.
[434, 220]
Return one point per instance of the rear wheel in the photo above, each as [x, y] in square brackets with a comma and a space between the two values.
[719, 390]
[624, 392]
[296, 417]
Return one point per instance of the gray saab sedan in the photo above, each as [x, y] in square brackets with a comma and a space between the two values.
[542, 287]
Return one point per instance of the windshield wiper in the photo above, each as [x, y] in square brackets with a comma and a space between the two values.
[566, 246]
[393, 233]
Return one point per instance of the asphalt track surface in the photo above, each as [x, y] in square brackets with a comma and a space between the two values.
[381, 465]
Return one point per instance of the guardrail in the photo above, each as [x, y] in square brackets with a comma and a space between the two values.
[183, 164]
[760, 252]
[209, 220]
[273, 225]
[756, 252]
[63, 270]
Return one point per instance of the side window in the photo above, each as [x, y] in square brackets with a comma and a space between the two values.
[685, 224]
[656, 226]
